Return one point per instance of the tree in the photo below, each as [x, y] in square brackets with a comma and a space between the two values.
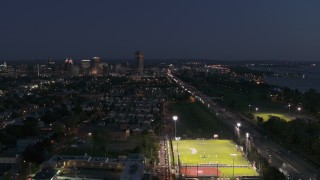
[34, 153]
[30, 126]
[316, 147]
[312, 99]
[58, 127]
[101, 139]
[48, 117]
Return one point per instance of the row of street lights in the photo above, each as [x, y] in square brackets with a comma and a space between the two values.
[238, 125]
[289, 107]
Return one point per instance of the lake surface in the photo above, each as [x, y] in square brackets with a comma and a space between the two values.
[311, 80]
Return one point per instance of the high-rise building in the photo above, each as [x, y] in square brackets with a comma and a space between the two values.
[139, 57]
[95, 62]
[68, 63]
[85, 66]
[50, 68]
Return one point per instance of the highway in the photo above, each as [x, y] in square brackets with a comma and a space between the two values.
[291, 162]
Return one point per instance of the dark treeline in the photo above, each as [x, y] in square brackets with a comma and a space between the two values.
[302, 134]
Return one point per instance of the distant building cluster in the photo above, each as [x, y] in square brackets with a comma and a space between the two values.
[3, 67]
[71, 67]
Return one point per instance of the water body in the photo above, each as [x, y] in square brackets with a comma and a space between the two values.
[310, 80]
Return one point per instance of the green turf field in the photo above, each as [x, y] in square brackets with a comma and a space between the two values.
[193, 152]
[265, 116]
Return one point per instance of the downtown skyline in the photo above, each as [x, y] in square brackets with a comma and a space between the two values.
[217, 30]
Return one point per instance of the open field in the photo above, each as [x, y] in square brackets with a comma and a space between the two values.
[216, 153]
[196, 121]
[266, 116]
[239, 100]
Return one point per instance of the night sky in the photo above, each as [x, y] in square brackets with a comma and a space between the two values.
[205, 29]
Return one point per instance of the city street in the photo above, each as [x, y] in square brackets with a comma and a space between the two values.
[162, 167]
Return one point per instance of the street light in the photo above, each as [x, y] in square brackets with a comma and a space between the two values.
[249, 108]
[247, 139]
[237, 131]
[289, 108]
[257, 109]
[233, 155]
[175, 118]
[299, 109]
[238, 125]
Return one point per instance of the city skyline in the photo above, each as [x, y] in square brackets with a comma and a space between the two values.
[217, 30]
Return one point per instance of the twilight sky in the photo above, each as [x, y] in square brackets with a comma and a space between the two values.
[205, 29]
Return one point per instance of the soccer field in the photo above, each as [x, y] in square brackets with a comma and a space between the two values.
[266, 116]
[221, 152]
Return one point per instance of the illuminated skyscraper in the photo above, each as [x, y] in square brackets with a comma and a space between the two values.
[68, 63]
[85, 66]
[139, 57]
[95, 62]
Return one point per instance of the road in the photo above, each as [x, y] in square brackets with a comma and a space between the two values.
[163, 166]
[278, 155]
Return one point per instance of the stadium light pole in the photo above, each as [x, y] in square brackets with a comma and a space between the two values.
[247, 139]
[238, 125]
[238, 131]
[175, 118]
[233, 155]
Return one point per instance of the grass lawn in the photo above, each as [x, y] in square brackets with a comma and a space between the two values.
[193, 152]
[266, 116]
[196, 121]
[239, 100]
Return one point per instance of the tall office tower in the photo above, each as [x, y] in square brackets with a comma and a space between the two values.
[95, 62]
[50, 68]
[85, 66]
[68, 63]
[139, 57]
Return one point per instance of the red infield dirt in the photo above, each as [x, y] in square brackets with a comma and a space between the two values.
[202, 171]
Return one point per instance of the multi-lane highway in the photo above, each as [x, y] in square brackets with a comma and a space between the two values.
[290, 162]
